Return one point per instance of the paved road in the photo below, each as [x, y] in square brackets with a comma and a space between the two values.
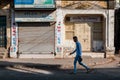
[109, 71]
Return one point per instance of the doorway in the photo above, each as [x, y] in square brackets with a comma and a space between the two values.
[3, 39]
[83, 32]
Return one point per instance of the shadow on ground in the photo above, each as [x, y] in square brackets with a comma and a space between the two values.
[32, 71]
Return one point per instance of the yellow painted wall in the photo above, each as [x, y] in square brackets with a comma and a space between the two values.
[76, 4]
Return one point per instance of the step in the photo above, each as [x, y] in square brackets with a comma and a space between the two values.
[2, 56]
[3, 53]
[36, 56]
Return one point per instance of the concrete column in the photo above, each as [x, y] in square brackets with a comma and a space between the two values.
[58, 33]
[13, 48]
[110, 33]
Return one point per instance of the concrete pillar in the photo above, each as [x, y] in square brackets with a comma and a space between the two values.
[13, 48]
[110, 33]
[58, 33]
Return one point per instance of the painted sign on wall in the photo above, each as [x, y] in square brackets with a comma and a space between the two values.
[59, 49]
[14, 38]
[58, 37]
[85, 19]
[34, 3]
[58, 33]
[34, 16]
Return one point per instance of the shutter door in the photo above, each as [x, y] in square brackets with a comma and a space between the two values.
[36, 38]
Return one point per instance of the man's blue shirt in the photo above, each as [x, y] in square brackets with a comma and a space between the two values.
[78, 49]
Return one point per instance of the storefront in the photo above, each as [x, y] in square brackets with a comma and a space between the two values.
[36, 28]
[94, 29]
[89, 29]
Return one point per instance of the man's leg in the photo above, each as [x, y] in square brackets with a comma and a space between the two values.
[75, 62]
[85, 66]
[82, 64]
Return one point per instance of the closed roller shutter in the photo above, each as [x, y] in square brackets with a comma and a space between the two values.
[36, 38]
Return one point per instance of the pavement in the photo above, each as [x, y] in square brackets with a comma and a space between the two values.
[66, 63]
[58, 69]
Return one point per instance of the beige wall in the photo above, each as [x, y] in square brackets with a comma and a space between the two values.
[86, 4]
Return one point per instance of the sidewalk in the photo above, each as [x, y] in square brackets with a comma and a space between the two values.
[50, 63]
[117, 57]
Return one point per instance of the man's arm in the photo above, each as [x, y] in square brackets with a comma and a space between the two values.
[73, 52]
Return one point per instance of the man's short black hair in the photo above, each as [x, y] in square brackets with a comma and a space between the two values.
[74, 37]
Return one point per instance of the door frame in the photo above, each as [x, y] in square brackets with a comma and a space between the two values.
[91, 36]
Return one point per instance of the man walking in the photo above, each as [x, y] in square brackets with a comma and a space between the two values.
[78, 57]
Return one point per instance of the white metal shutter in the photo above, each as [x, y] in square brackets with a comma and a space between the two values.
[36, 38]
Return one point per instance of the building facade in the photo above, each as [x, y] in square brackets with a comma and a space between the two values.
[33, 28]
[44, 28]
[91, 21]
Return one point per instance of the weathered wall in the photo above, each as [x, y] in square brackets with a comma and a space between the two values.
[5, 11]
[87, 4]
[109, 29]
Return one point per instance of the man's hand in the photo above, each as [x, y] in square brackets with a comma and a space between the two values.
[70, 54]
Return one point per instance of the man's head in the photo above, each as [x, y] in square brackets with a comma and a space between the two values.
[75, 39]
